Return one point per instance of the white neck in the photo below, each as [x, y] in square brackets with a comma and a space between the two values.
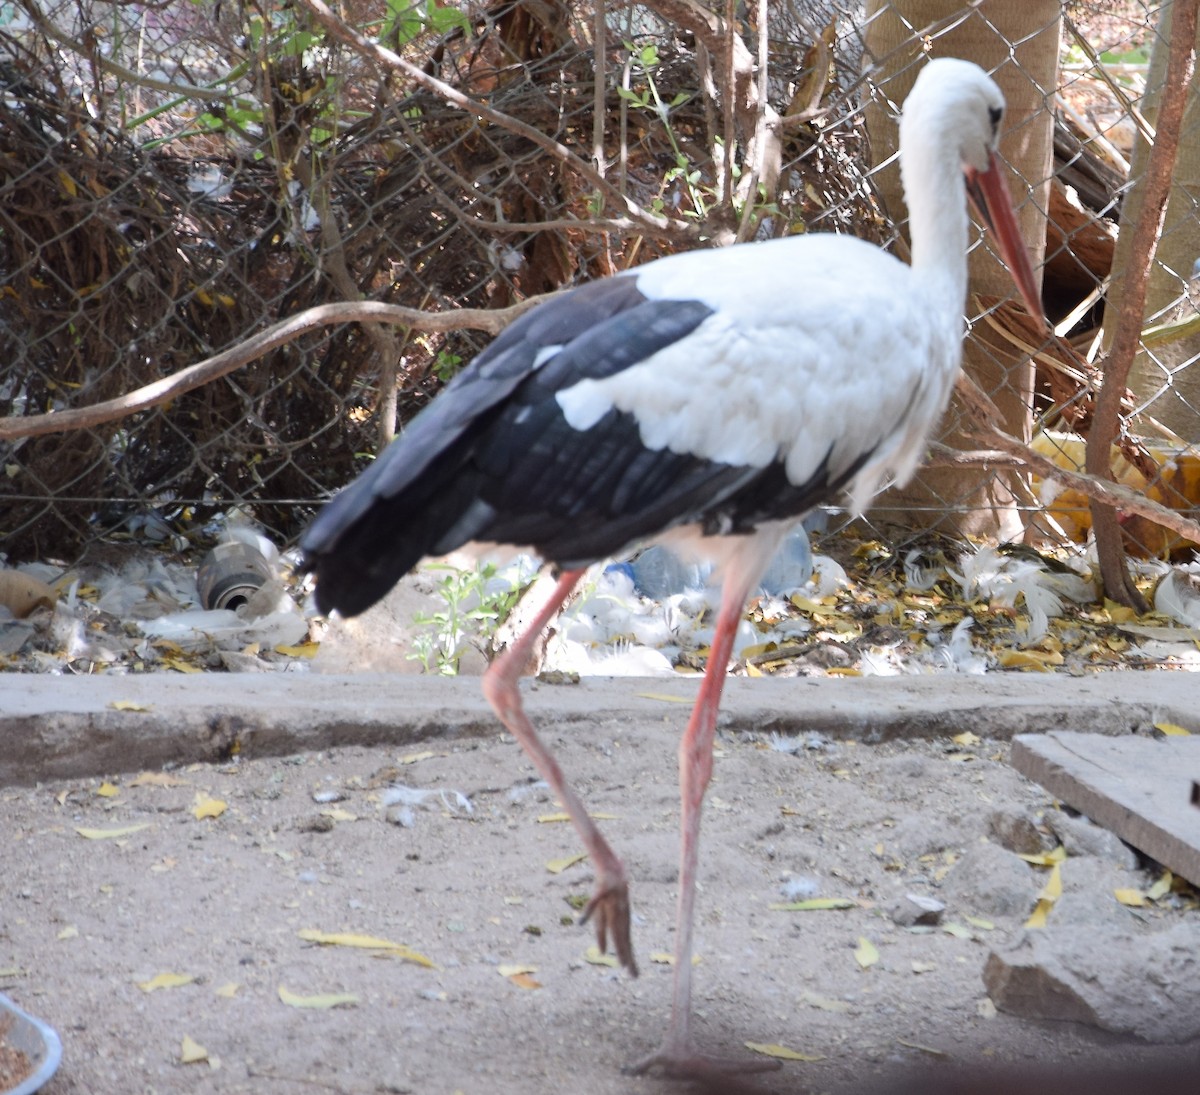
[938, 224]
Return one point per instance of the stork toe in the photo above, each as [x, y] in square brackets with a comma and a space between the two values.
[609, 910]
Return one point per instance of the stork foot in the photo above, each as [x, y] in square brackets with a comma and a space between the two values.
[609, 909]
[685, 1064]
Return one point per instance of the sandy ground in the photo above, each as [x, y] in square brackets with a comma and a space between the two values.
[223, 900]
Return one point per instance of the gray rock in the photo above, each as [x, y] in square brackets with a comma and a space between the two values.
[990, 880]
[1080, 837]
[1123, 980]
[1018, 832]
[915, 908]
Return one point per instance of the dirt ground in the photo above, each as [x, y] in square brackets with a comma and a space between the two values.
[223, 900]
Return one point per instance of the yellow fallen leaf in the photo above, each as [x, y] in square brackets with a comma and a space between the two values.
[192, 1051]
[866, 954]
[228, 990]
[1172, 730]
[593, 957]
[1037, 919]
[320, 1001]
[924, 1049]
[1119, 614]
[525, 981]
[1029, 659]
[514, 970]
[130, 705]
[1135, 899]
[157, 779]
[966, 738]
[782, 1053]
[412, 758]
[824, 1003]
[205, 806]
[108, 790]
[69, 932]
[663, 958]
[112, 834]
[1162, 887]
[180, 665]
[1052, 890]
[338, 814]
[843, 671]
[165, 981]
[814, 904]
[1045, 859]
[366, 942]
[557, 866]
[980, 923]
[300, 650]
[665, 697]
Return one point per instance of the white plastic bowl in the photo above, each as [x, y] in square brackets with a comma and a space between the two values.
[37, 1040]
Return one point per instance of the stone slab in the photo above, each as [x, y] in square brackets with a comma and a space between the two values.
[1139, 787]
[59, 727]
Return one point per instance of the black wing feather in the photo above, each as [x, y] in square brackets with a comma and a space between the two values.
[494, 459]
[458, 472]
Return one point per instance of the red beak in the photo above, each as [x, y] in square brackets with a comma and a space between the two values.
[993, 204]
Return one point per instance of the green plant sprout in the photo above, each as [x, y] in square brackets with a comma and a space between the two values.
[472, 612]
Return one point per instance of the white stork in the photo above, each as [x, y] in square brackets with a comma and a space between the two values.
[711, 398]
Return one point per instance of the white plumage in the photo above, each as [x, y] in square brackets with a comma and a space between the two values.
[710, 399]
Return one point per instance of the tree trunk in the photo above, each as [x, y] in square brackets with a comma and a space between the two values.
[1169, 295]
[1018, 44]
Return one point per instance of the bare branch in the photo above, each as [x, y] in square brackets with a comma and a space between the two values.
[128, 75]
[1100, 488]
[1156, 189]
[387, 58]
[493, 321]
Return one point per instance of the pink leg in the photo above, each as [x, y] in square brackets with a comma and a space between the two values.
[610, 899]
[676, 1056]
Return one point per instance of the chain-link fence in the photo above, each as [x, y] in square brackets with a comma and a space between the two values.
[175, 178]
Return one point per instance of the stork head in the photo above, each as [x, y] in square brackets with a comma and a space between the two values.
[957, 105]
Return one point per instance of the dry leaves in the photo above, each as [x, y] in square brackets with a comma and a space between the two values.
[321, 1001]
[366, 942]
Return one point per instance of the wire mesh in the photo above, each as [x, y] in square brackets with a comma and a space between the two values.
[175, 178]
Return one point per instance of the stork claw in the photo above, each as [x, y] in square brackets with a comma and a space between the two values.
[610, 907]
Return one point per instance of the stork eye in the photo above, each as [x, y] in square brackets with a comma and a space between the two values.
[995, 113]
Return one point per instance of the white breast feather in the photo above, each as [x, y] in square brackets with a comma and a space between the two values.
[839, 356]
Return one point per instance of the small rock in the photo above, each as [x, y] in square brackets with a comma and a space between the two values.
[236, 662]
[913, 909]
[1018, 833]
[324, 797]
[317, 823]
[992, 881]
[1122, 980]
[1080, 837]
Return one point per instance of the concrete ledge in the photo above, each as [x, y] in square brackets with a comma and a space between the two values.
[67, 727]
